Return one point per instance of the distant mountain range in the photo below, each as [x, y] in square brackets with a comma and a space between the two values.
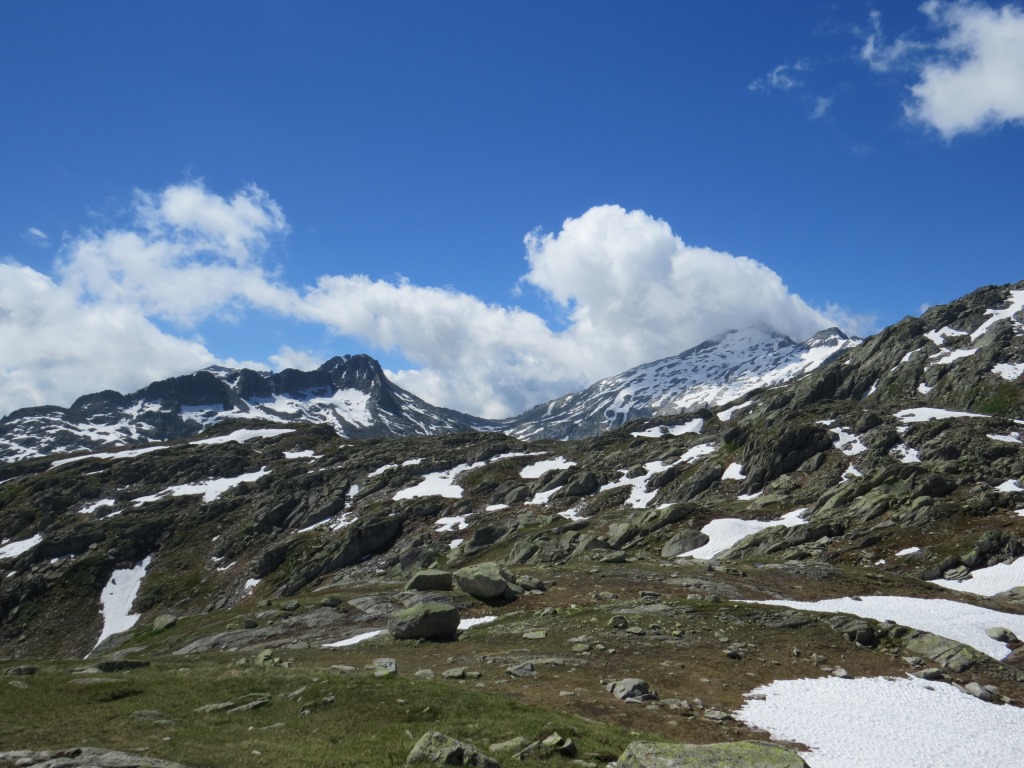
[352, 395]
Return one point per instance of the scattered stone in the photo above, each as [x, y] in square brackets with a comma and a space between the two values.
[618, 622]
[455, 673]
[265, 658]
[1001, 635]
[291, 606]
[931, 673]
[632, 688]
[515, 744]
[736, 754]
[716, 715]
[18, 684]
[331, 601]
[841, 672]
[164, 621]
[424, 674]
[485, 581]
[536, 634]
[434, 748]
[524, 669]
[249, 706]
[979, 691]
[385, 667]
[342, 668]
[23, 670]
[426, 621]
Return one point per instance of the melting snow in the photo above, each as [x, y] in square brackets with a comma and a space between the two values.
[571, 514]
[495, 507]
[847, 442]
[729, 412]
[381, 470]
[957, 621]
[208, 489]
[914, 415]
[354, 639]
[640, 497]
[438, 484]
[1016, 305]
[15, 548]
[697, 452]
[851, 472]
[1009, 371]
[475, 622]
[923, 388]
[242, 436]
[689, 428]
[307, 454]
[734, 472]
[250, 585]
[884, 721]
[454, 543]
[989, 581]
[449, 524]
[939, 337]
[1013, 437]
[119, 455]
[905, 454]
[88, 510]
[748, 496]
[908, 551]
[537, 469]
[1010, 486]
[729, 531]
[952, 356]
[117, 598]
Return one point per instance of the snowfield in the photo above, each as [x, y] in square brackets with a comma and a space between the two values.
[117, 598]
[730, 531]
[877, 721]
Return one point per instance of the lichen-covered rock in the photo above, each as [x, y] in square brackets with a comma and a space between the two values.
[430, 581]
[737, 754]
[426, 621]
[486, 581]
[434, 748]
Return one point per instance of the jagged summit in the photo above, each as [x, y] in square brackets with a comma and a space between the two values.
[712, 373]
[350, 393]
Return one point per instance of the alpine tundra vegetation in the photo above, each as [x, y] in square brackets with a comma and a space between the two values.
[757, 553]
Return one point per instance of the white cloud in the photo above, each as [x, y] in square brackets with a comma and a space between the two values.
[37, 236]
[57, 348]
[299, 359]
[881, 55]
[780, 78]
[969, 74]
[821, 105]
[631, 290]
[977, 81]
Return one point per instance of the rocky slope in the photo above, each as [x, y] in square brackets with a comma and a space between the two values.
[889, 482]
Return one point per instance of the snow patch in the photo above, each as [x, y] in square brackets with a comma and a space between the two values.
[734, 472]
[724, 533]
[1010, 486]
[208, 489]
[537, 469]
[354, 639]
[915, 415]
[117, 598]
[119, 455]
[1009, 371]
[438, 484]
[689, 428]
[847, 442]
[728, 413]
[908, 551]
[242, 436]
[905, 454]
[11, 549]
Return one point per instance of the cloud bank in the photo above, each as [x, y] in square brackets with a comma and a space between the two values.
[970, 78]
[123, 305]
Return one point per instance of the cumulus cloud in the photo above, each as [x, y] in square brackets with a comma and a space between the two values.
[978, 80]
[57, 347]
[629, 290]
[969, 74]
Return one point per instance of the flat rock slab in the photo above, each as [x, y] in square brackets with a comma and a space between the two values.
[737, 754]
[434, 748]
[80, 757]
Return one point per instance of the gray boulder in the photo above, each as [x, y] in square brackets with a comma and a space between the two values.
[737, 754]
[434, 748]
[632, 688]
[426, 621]
[685, 540]
[430, 581]
[486, 581]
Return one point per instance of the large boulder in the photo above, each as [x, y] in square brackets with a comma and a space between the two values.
[426, 621]
[685, 540]
[736, 754]
[485, 581]
[430, 581]
[434, 748]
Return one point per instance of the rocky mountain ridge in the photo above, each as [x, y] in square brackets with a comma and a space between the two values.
[353, 395]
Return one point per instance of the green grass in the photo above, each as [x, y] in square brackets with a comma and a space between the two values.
[372, 722]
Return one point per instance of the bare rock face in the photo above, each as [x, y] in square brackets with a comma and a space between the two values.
[737, 754]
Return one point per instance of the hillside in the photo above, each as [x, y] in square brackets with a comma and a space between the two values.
[851, 536]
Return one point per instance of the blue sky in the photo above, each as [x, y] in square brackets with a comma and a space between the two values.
[275, 183]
